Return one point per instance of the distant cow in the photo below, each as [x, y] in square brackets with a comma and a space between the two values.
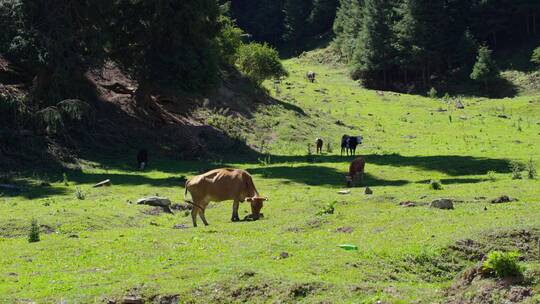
[356, 172]
[223, 185]
[311, 76]
[142, 159]
[349, 144]
[319, 145]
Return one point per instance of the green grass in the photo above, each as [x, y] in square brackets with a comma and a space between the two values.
[103, 246]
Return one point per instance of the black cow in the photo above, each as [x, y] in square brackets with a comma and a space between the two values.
[142, 159]
[319, 144]
[349, 143]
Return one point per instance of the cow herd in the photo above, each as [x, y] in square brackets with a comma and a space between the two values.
[237, 185]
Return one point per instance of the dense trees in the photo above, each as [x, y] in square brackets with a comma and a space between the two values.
[167, 42]
[391, 43]
[173, 45]
[283, 21]
[55, 40]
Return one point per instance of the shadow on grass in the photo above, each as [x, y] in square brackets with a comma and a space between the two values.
[29, 190]
[314, 175]
[454, 165]
[450, 181]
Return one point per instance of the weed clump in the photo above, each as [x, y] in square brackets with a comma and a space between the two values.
[328, 209]
[502, 264]
[79, 194]
[531, 169]
[329, 147]
[435, 184]
[491, 175]
[432, 93]
[516, 168]
[33, 235]
[309, 157]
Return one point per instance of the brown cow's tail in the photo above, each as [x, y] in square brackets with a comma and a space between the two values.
[186, 191]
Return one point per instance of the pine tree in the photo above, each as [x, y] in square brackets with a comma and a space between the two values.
[322, 15]
[296, 13]
[347, 27]
[374, 53]
[33, 234]
[485, 70]
[420, 35]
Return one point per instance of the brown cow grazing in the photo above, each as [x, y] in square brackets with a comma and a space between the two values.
[223, 185]
[319, 145]
[356, 172]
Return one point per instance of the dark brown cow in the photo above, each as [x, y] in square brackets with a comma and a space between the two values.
[223, 185]
[319, 144]
[356, 172]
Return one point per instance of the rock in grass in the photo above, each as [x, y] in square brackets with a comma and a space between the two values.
[344, 192]
[106, 182]
[345, 229]
[132, 300]
[368, 191]
[156, 201]
[407, 204]
[443, 203]
[503, 199]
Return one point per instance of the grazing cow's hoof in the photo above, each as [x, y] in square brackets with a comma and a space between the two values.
[235, 219]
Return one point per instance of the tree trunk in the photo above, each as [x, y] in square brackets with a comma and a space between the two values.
[41, 84]
[534, 23]
[143, 94]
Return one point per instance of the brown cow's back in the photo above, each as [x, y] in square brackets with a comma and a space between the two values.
[221, 185]
[357, 166]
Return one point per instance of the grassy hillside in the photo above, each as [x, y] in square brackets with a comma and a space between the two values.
[104, 247]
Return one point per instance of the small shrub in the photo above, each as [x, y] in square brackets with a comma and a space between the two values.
[50, 120]
[502, 264]
[435, 184]
[309, 157]
[33, 235]
[432, 93]
[259, 62]
[491, 176]
[531, 169]
[516, 168]
[79, 194]
[328, 209]
[447, 98]
[265, 161]
[535, 58]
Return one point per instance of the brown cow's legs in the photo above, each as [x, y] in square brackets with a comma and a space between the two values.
[194, 212]
[203, 218]
[235, 217]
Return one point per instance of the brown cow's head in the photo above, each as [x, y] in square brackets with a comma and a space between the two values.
[349, 181]
[256, 206]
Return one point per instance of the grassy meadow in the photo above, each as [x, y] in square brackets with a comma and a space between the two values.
[105, 247]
